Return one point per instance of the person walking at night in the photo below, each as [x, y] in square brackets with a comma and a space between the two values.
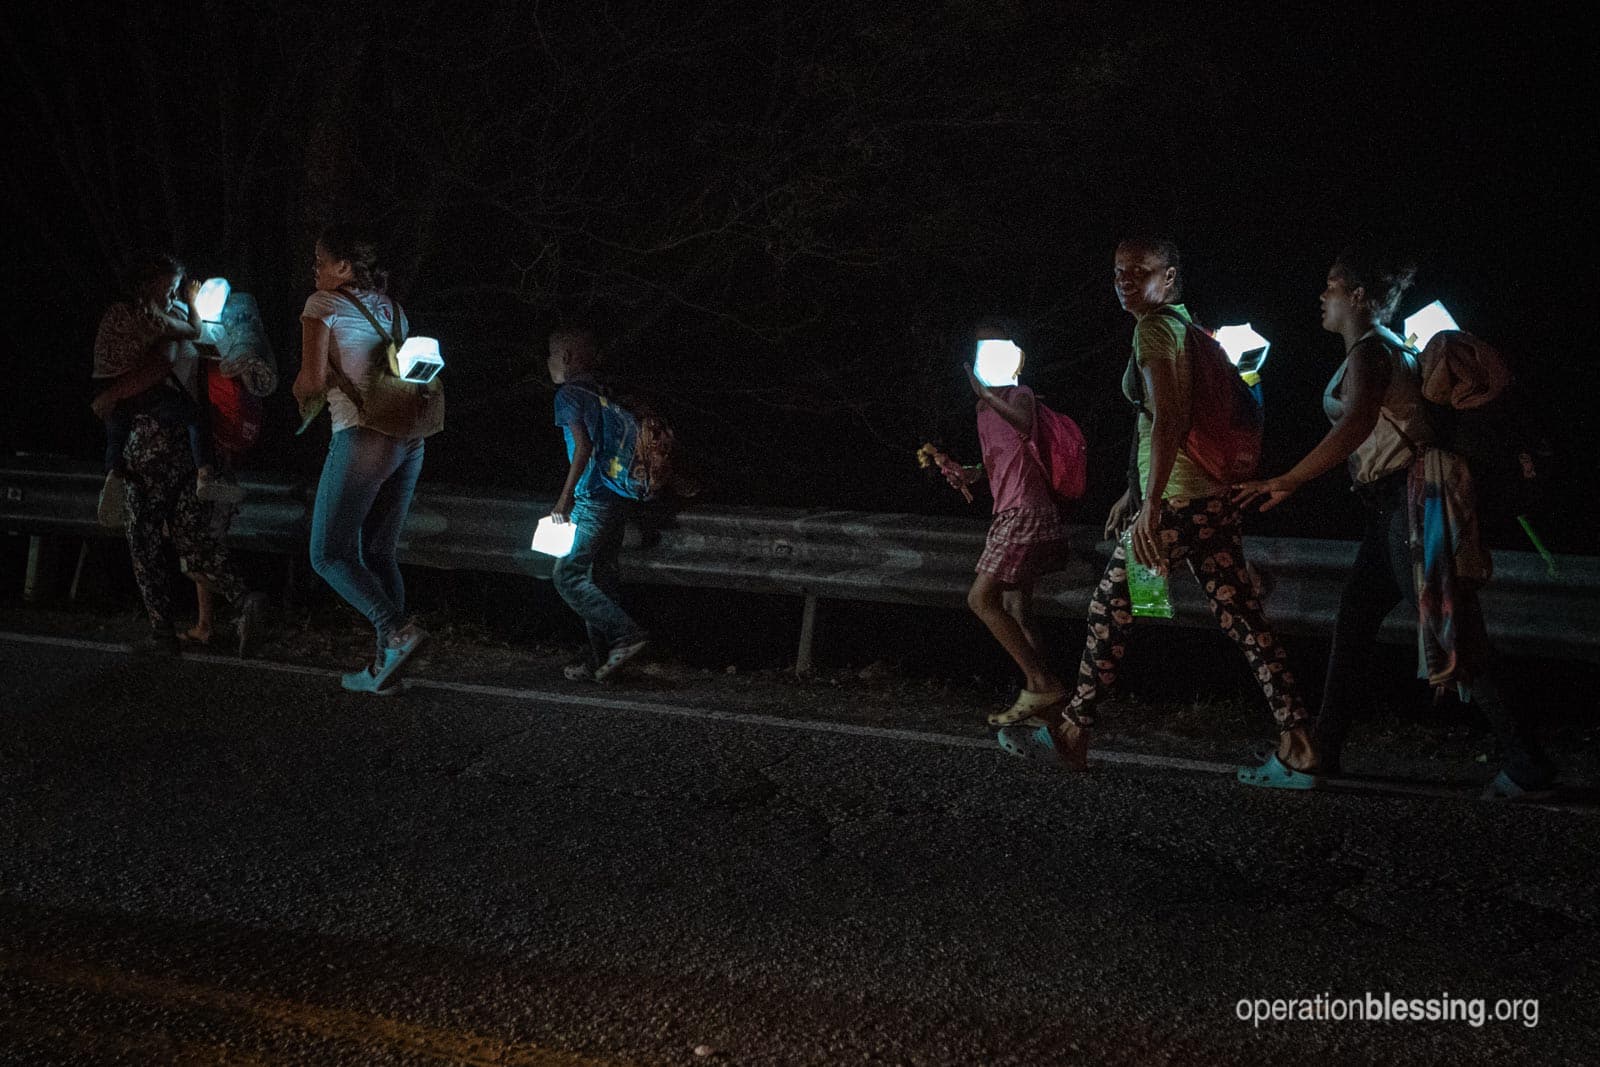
[244, 359]
[1382, 430]
[1026, 537]
[141, 333]
[374, 457]
[157, 460]
[586, 578]
[1184, 515]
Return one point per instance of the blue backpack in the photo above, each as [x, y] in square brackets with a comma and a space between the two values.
[634, 452]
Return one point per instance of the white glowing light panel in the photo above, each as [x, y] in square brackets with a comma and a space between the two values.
[1432, 319]
[419, 359]
[1239, 341]
[998, 363]
[554, 539]
[212, 296]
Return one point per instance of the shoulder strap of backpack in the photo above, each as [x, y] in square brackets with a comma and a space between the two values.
[1135, 488]
[1387, 346]
[1166, 311]
[597, 391]
[340, 378]
[393, 334]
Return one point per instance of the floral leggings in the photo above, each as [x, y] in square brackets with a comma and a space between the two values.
[161, 504]
[1205, 534]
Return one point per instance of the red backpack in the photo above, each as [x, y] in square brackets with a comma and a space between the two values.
[235, 412]
[1059, 447]
[1225, 418]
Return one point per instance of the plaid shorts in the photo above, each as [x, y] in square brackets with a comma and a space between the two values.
[1024, 544]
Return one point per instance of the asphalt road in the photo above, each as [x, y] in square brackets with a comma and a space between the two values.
[209, 862]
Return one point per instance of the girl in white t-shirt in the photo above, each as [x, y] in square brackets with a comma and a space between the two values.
[368, 478]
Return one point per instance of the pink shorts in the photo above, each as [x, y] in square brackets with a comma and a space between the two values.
[1024, 544]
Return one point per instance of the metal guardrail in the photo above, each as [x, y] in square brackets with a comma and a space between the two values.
[853, 556]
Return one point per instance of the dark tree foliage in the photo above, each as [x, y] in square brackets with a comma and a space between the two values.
[786, 217]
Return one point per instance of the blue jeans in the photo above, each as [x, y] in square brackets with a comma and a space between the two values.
[586, 577]
[367, 483]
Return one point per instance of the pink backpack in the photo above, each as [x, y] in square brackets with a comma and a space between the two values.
[1059, 447]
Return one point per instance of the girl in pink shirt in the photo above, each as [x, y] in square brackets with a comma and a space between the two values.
[1026, 539]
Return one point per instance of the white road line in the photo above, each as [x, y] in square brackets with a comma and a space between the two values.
[683, 711]
[607, 703]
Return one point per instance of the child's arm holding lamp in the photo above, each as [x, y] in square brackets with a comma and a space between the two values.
[1019, 416]
[582, 450]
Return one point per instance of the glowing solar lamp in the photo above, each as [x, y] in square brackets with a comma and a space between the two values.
[554, 539]
[419, 360]
[1246, 349]
[1432, 319]
[212, 296]
[998, 363]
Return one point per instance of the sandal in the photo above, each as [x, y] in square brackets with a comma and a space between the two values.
[193, 636]
[1040, 744]
[1028, 704]
[1264, 751]
[1275, 774]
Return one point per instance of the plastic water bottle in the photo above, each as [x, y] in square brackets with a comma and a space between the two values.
[1147, 590]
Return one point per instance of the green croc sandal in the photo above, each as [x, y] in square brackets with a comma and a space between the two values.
[1040, 744]
[1275, 774]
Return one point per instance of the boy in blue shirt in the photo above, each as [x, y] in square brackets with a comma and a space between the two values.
[586, 577]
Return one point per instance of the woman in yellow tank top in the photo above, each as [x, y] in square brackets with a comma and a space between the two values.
[1186, 518]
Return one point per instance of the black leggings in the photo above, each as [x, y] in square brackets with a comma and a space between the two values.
[1381, 578]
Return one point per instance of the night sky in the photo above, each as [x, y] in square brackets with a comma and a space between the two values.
[787, 216]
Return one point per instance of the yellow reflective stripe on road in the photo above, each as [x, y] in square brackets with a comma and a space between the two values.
[268, 1013]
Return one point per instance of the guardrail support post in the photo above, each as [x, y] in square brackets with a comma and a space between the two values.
[41, 568]
[808, 629]
[291, 573]
[77, 572]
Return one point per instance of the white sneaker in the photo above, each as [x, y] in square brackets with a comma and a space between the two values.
[620, 655]
[378, 677]
[374, 678]
[111, 512]
[401, 644]
[408, 639]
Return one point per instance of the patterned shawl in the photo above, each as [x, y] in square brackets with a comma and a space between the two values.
[1450, 564]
